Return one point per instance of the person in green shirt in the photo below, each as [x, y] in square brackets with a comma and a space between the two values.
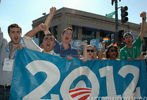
[132, 49]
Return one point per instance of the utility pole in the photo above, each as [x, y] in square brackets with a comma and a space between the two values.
[116, 20]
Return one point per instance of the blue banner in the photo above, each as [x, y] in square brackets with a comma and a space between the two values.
[40, 76]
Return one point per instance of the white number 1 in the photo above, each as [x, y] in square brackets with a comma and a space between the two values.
[108, 72]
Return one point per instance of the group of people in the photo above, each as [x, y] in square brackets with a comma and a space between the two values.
[63, 49]
[131, 50]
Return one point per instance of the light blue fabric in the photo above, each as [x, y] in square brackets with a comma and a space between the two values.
[33, 68]
[76, 44]
[96, 43]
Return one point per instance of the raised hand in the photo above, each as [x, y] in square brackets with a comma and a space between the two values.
[49, 18]
[43, 27]
[143, 24]
[103, 44]
[143, 15]
[52, 10]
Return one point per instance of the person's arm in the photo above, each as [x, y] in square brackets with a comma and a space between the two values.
[33, 32]
[28, 38]
[84, 58]
[100, 55]
[1, 37]
[49, 18]
[141, 57]
[143, 24]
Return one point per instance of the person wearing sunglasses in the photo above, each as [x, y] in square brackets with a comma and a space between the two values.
[88, 53]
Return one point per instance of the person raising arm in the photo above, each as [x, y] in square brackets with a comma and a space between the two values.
[132, 50]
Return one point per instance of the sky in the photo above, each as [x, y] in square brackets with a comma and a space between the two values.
[23, 12]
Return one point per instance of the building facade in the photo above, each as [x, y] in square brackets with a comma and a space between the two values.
[86, 26]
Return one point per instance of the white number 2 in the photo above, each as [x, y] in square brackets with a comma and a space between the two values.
[124, 71]
[53, 76]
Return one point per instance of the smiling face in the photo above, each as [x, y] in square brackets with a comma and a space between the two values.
[15, 35]
[112, 53]
[128, 39]
[67, 35]
[90, 52]
[48, 43]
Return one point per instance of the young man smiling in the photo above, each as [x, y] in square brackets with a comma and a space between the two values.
[7, 56]
[48, 43]
[132, 50]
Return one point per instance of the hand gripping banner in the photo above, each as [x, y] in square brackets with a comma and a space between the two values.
[40, 76]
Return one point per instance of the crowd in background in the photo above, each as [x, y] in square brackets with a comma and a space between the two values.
[131, 50]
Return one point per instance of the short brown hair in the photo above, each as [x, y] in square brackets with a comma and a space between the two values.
[14, 26]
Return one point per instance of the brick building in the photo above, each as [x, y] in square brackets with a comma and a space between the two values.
[86, 25]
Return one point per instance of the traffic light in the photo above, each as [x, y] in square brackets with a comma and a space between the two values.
[124, 14]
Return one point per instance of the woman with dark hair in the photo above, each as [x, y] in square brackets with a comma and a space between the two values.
[112, 52]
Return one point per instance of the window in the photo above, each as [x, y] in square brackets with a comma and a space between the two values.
[75, 32]
[88, 34]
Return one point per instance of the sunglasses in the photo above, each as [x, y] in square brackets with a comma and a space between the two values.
[90, 50]
[112, 50]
